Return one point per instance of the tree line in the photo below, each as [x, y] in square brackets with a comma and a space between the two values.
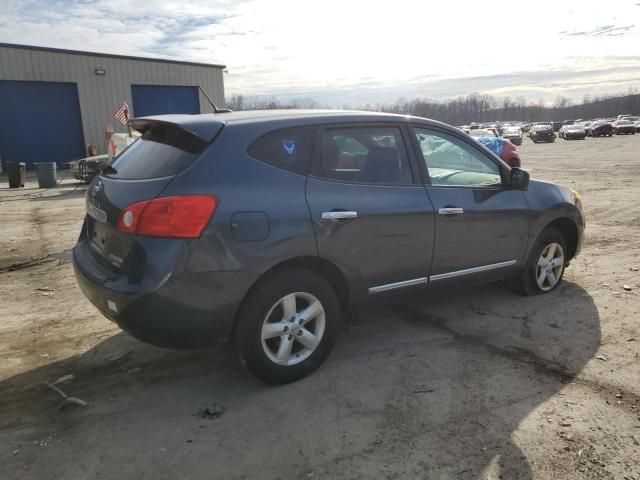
[475, 107]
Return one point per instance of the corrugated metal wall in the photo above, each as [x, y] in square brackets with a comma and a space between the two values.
[99, 95]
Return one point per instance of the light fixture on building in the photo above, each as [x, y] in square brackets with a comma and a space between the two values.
[100, 71]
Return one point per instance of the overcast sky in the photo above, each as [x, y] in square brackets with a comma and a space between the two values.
[351, 51]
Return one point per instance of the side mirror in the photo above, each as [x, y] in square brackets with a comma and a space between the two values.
[519, 179]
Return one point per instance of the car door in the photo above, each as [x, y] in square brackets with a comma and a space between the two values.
[371, 214]
[482, 225]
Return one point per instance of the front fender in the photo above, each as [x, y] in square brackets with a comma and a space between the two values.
[551, 203]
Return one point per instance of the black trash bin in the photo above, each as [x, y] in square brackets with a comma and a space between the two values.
[15, 172]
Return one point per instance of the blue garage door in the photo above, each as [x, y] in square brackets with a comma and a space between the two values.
[40, 122]
[160, 99]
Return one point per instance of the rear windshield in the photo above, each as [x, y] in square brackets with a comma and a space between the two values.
[162, 151]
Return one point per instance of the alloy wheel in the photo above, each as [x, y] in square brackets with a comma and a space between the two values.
[293, 328]
[549, 267]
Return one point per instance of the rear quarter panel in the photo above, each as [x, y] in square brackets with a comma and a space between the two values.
[252, 191]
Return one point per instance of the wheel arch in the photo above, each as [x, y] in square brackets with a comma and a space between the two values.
[321, 266]
[569, 231]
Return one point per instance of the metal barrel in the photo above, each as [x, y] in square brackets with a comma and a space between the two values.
[46, 172]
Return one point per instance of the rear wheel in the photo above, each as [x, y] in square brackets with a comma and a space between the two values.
[545, 266]
[287, 326]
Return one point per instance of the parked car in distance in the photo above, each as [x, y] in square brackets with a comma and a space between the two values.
[572, 132]
[624, 127]
[542, 132]
[483, 132]
[513, 134]
[503, 148]
[87, 168]
[266, 226]
[600, 128]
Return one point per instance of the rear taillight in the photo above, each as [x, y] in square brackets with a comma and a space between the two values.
[169, 217]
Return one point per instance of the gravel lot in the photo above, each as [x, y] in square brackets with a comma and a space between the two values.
[472, 384]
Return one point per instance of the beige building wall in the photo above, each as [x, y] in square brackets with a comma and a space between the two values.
[101, 95]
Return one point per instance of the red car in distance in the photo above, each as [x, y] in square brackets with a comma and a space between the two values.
[502, 147]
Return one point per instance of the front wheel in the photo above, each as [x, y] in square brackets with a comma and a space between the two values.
[545, 266]
[287, 326]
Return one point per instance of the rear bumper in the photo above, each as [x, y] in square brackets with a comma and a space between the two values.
[186, 310]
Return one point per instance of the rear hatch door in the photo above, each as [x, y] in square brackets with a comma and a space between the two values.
[139, 173]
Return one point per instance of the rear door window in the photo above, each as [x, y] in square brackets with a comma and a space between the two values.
[290, 149]
[372, 155]
[161, 151]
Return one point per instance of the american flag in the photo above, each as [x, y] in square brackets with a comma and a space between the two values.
[122, 114]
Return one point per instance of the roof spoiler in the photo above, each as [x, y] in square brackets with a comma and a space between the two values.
[205, 127]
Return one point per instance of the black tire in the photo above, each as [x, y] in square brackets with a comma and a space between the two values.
[525, 281]
[254, 310]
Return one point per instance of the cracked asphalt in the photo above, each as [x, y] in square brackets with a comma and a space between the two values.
[477, 383]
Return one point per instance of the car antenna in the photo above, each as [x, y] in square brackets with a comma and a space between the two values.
[215, 109]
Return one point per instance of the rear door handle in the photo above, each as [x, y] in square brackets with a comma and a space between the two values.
[451, 211]
[339, 215]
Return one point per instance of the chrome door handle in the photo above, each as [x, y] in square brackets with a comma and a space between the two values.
[451, 211]
[339, 215]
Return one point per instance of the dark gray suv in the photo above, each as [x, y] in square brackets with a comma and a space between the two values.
[266, 226]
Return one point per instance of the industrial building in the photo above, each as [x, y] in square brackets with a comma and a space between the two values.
[56, 103]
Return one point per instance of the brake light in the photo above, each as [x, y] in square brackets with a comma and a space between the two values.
[169, 217]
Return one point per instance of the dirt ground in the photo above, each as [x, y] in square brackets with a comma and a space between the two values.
[475, 384]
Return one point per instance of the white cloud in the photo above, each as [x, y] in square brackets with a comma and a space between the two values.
[342, 51]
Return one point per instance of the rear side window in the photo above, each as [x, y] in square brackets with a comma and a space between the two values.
[290, 149]
[373, 155]
[162, 151]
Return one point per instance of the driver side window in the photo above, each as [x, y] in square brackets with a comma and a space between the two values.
[452, 163]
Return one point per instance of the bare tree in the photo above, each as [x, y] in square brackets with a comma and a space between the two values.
[475, 107]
